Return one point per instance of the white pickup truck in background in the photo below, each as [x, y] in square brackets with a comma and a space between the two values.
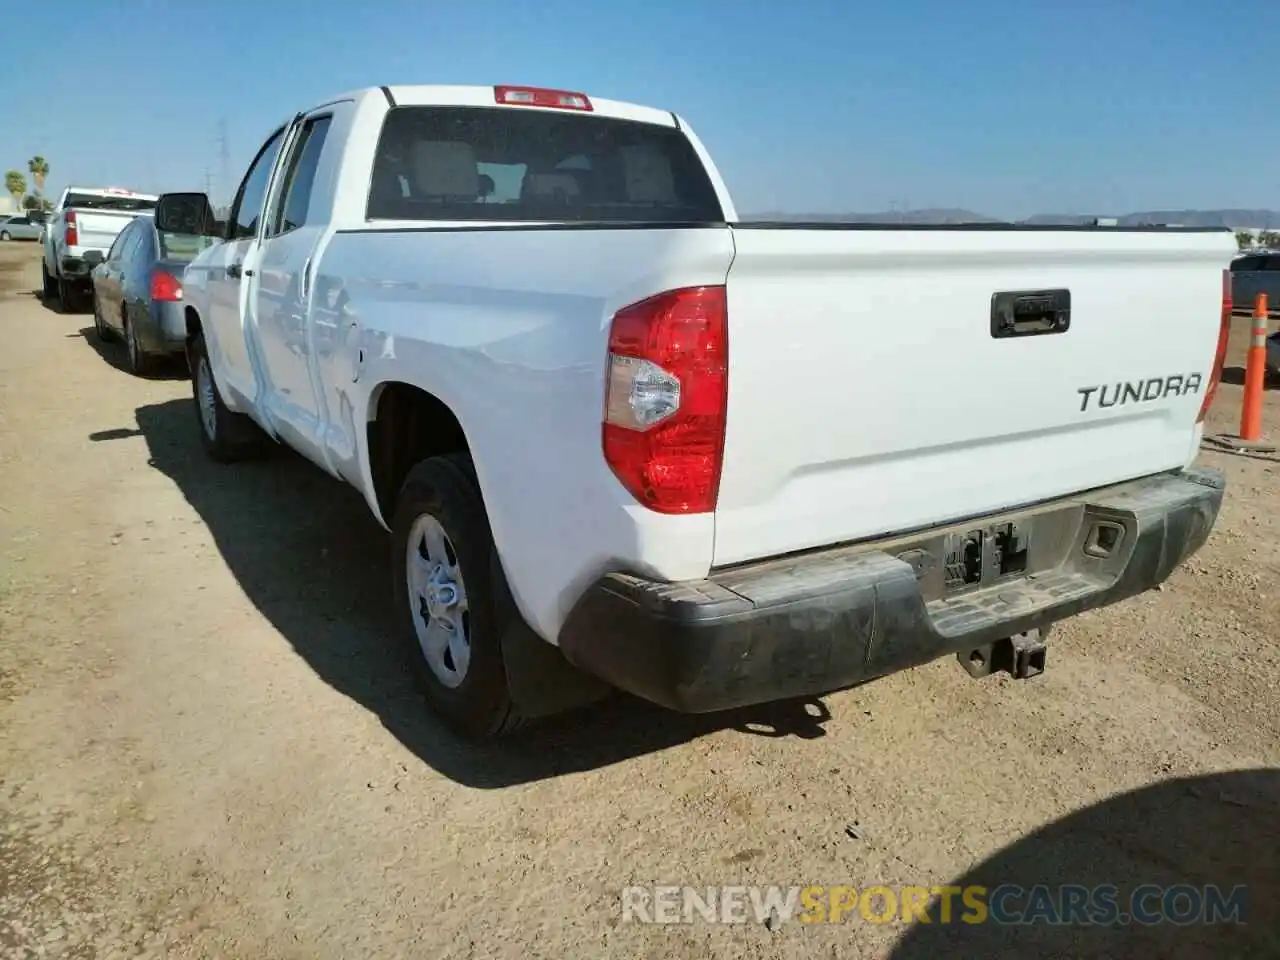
[79, 233]
[622, 438]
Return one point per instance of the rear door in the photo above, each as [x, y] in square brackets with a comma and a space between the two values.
[874, 387]
[109, 283]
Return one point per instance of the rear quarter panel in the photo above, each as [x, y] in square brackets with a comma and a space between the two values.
[509, 328]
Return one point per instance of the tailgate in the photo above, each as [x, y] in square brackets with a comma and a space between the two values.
[868, 393]
[98, 229]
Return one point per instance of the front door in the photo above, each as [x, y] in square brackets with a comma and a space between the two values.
[225, 329]
[280, 289]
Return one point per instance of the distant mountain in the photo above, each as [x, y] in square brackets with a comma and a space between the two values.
[1234, 219]
[931, 215]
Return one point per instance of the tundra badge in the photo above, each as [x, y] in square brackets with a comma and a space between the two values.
[1140, 391]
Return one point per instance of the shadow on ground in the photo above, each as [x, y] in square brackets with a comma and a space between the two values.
[115, 354]
[1221, 830]
[309, 555]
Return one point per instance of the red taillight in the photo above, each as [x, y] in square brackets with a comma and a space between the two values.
[165, 286]
[1220, 358]
[72, 235]
[666, 398]
[541, 97]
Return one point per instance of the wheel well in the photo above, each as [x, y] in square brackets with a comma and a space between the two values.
[193, 322]
[407, 425]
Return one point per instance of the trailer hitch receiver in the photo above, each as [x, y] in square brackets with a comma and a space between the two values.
[1021, 655]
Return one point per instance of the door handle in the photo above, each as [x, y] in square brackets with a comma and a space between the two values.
[235, 270]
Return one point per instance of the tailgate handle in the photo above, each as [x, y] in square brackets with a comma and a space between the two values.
[1030, 313]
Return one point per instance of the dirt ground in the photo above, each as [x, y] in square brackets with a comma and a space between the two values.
[209, 747]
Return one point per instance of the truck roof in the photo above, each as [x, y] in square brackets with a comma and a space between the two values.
[441, 95]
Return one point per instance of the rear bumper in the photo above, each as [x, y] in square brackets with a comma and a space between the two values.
[163, 328]
[814, 623]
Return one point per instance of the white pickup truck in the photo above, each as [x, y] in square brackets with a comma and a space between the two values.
[83, 226]
[623, 439]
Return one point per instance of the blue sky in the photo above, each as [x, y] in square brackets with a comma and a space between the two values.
[807, 105]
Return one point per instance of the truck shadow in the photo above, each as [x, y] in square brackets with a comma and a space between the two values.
[311, 558]
[1217, 831]
[38, 296]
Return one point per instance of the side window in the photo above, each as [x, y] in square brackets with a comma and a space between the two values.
[140, 249]
[121, 240]
[300, 177]
[131, 245]
[243, 221]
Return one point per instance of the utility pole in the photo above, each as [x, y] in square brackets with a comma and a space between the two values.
[224, 160]
[208, 182]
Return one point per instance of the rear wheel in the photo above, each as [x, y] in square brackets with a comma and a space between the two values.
[49, 288]
[100, 329]
[68, 297]
[5, 235]
[140, 362]
[226, 436]
[444, 565]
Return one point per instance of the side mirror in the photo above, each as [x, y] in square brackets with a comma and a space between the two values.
[188, 213]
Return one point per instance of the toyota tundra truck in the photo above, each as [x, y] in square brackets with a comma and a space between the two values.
[622, 437]
[83, 226]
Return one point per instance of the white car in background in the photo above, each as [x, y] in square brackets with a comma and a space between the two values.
[82, 229]
[19, 227]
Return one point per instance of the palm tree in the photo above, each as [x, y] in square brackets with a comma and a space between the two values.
[39, 169]
[16, 184]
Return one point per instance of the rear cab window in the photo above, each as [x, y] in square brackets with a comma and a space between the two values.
[87, 201]
[516, 164]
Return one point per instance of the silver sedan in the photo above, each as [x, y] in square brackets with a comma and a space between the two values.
[137, 292]
[19, 228]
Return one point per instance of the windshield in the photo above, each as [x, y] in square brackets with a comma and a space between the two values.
[496, 163]
[181, 246]
[88, 201]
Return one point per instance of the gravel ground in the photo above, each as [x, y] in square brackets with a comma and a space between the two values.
[208, 747]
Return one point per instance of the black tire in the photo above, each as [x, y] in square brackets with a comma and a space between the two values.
[444, 487]
[68, 297]
[48, 287]
[141, 363]
[100, 329]
[234, 436]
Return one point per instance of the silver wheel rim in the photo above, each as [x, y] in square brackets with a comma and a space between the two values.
[438, 601]
[206, 399]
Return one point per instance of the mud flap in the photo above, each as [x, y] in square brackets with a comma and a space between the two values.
[542, 682]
